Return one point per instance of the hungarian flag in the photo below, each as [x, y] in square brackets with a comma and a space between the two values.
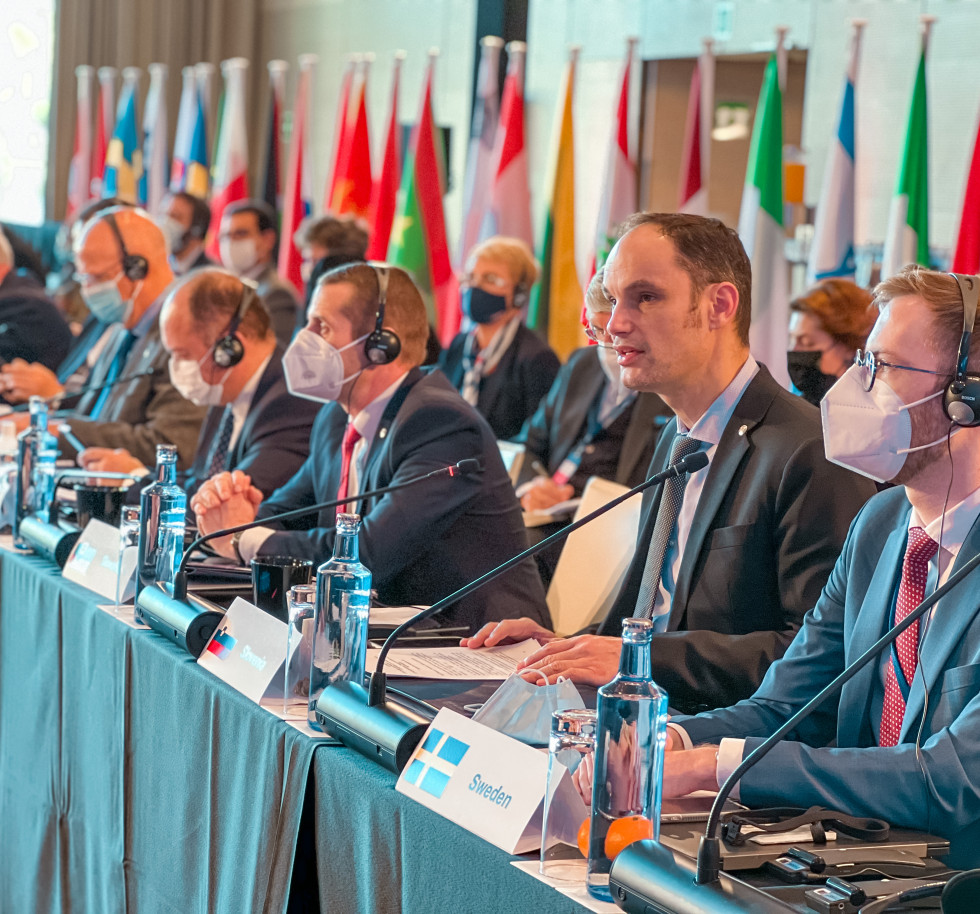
[230, 179]
[156, 158]
[418, 239]
[298, 200]
[556, 304]
[341, 136]
[619, 192]
[272, 183]
[385, 190]
[124, 158]
[760, 227]
[105, 123]
[907, 240]
[832, 251]
[353, 185]
[695, 163]
[510, 196]
[80, 169]
[479, 157]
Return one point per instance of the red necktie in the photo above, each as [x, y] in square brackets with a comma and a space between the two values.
[351, 437]
[915, 569]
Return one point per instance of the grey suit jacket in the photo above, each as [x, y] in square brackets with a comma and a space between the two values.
[939, 794]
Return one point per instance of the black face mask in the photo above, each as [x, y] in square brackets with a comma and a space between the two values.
[807, 378]
[482, 306]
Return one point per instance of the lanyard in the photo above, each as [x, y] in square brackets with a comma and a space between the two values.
[594, 427]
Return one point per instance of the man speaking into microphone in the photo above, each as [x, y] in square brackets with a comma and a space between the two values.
[386, 422]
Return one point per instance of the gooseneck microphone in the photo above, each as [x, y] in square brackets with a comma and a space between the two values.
[387, 730]
[661, 874]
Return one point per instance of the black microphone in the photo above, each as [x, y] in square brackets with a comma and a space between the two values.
[387, 730]
[189, 621]
[663, 876]
[57, 398]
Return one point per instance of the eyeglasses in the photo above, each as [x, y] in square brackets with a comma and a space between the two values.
[869, 364]
[598, 335]
[488, 280]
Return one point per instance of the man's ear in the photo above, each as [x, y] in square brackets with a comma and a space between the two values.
[723, 305]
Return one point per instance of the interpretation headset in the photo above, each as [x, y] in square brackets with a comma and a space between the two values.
[961, 400]
[229, 350]
[382, 346]
[135, 266]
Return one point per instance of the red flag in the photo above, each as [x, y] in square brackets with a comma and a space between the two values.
[79, 172]
[230, 181]
[966, 258]
[693, 196]
[297, 203]
[272, 184]
[105, 123]
[352, 187]
[341, 139]
[386, 187]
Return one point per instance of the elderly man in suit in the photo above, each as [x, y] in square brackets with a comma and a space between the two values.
[901, 744]
[728, 560]
[386, 422]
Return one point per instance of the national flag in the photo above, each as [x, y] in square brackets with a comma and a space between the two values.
[80, 169]
[340, 128]
[205, 74]
[385, 190]
[832, 250]
[221, 644]
[156, 159]
[197, 181]
[230, 179]
[105, 123]
[966, 258]
[556, 304]
[298, 200]
[186, 114]
[907, 240]
[509, 209]
[124, 159]
[418, 240]
[272, 182]
[479, 159]
[353, 185]
[619, 191]
[696, 161]
[760, 227]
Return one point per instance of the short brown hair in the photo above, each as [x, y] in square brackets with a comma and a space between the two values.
[708, 251]
[512, 251]
[404, 309]
[941, 295]
[340, 235]
[841, 307]
[214, 297]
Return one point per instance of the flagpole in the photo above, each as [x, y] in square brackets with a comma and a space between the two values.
[782, 62]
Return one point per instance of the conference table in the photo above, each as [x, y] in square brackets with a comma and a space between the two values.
[132, 780]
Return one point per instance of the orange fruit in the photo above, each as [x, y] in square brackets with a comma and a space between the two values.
[623, 832]
[583, 837]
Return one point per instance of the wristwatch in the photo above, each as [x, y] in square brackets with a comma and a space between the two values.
[236, 539]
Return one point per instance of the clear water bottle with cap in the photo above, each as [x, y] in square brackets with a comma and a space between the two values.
[37, 452]
[631, 735]
[340, 618]
[163, 507]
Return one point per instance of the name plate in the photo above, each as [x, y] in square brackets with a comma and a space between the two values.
[94, 562]
[486, 782]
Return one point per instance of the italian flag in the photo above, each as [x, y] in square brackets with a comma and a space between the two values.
[760, 226]
[907, 240]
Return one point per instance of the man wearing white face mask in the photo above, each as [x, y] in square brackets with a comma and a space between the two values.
[223, 355]
[386, 422]
[903, 743]
[247, 242]
[184, 221]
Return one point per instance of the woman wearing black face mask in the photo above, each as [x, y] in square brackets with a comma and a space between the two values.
[827, 325]
[500, 366]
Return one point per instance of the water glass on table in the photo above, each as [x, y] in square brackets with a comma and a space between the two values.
[299, 652]
[129, 532]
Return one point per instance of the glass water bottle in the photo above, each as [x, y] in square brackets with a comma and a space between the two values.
[37, 451]
[163, 509]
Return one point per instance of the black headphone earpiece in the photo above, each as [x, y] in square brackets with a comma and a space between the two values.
[382, 345]
[229, 350]
[961, 399]
[135, 266]
[520, 295]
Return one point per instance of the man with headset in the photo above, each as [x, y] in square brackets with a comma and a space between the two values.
[129, 402]
[184, 220]
[903, 742]
[224, 355]
[386, 422]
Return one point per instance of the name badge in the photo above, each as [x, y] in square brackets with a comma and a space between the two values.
[95, 562]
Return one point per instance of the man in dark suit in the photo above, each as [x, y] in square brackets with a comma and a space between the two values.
[223, 355]
[902, 741]
[185, 220]
[728, 563]
[500, 366]
[387, 421]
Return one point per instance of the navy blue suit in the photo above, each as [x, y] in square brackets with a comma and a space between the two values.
[31, 327]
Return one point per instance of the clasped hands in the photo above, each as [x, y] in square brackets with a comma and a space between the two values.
[225, 500]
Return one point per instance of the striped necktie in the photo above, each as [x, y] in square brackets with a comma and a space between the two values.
[217, 461]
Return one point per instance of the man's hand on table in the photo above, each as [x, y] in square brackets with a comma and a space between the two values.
[20, 380]
[687, 770]
[225, 500]
[109, 460]
[543, 492]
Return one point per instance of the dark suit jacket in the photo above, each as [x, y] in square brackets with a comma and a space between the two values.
[559, 422]
[31, 327]
[770, 523]
[282, 303]
[423, 543]
[833, 759]
[274, 440]
[140, 414]
[510, 395]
